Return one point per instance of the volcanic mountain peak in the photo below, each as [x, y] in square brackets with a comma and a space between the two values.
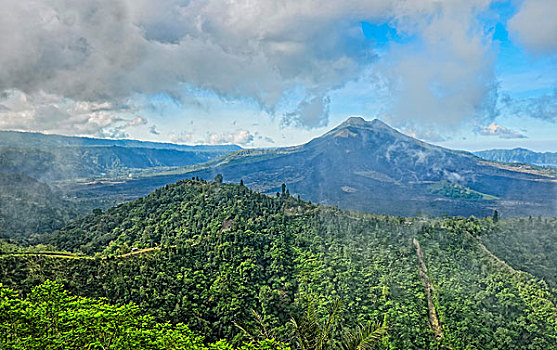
[354, 121]
[359, 122]
[356, 127]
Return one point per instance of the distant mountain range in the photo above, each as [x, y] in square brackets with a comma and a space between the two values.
[54, 157]
[39, 140]
[520, 155]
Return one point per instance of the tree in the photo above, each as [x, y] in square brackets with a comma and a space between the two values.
[495, 216]
[312, 333]
[218, 178]
[51, 318]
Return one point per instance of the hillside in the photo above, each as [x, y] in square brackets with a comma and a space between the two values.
[39, 140]
[225, 250]
[77, 162]
[371, 167]
[520, 155]
[29, 207]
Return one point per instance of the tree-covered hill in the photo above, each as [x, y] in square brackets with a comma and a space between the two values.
[29, 207]
[225, 252]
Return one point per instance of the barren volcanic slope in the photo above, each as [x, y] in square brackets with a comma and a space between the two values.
[370, 166]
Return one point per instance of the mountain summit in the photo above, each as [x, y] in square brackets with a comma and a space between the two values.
[360, 123]
[369, 166]
[360, 130]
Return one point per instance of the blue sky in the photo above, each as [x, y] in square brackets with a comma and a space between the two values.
[467, 74]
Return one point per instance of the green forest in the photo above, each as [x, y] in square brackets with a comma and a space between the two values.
[207, 265]
[29, 207]
[50, 318]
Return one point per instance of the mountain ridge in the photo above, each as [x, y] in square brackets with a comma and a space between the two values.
[520, 155]
[360, 162]
[37, 139]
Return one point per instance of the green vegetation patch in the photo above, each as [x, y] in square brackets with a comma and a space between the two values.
[51, 318]
[456, 191]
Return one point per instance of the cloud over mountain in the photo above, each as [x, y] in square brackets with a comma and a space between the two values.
[108, 51]
[494, 129]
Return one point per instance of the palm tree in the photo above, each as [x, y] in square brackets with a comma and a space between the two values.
[310, 332]
[365, 337]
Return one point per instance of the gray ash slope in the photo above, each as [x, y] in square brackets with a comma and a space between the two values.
[369, 166]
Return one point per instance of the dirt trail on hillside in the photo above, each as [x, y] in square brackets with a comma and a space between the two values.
[432, 314]
[75, 256]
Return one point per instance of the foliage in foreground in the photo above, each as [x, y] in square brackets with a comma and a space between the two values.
[51, 318]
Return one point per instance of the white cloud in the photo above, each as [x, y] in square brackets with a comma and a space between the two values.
[494, 129]
[111, 49]
[238, 137]
[47, 113]
[446, 77]
[309, 112]
[183, 137]
[535, 26]
[104, 52]
[137, 121]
